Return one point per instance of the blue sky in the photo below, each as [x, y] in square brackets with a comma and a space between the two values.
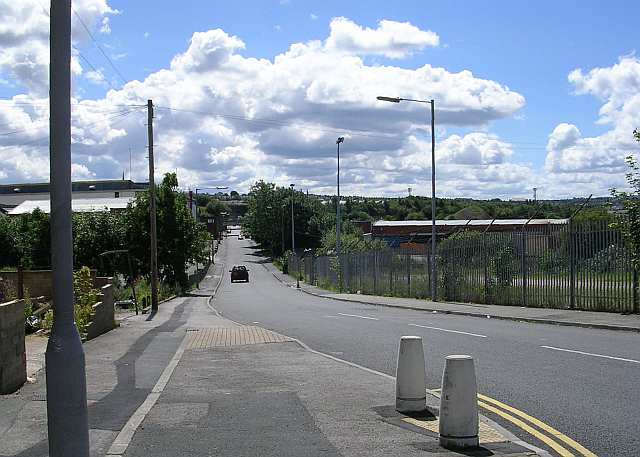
[528, 47]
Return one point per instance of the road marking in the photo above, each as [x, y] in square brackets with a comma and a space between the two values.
[493, 405]
[447, 330]
[552, 431]
[527, 428]
[359, 317]
[591, 354]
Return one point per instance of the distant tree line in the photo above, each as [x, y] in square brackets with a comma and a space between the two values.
[268, 220]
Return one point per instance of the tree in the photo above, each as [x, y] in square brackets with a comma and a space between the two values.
[629, 222]
[180, 239]
[25, 240]
[268, 218]
[95, 233]
[215, 208]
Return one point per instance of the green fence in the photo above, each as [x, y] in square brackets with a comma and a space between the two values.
[576, 266]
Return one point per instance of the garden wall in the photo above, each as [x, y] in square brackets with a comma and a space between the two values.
[13, 359]
[103, 315]
[37, 282]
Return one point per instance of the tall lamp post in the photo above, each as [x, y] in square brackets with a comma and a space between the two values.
[338, 142]
[293, 234]
[283, 208]
[433, 184]
[66, 378]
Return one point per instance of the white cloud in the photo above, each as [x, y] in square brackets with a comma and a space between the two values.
[24, 38]
[599, 160]
[391, 39]
[95, 76]
[81, 172]
[277, 119]
[313, 17]
[208, 50]
[105, 28]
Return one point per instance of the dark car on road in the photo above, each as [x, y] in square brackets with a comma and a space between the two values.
[239, 273]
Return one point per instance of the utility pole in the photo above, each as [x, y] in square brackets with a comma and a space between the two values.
[129, 164]
[67, 418]
[338, 141]
[293, 235]
[152, 212]
[434, 282]
[282, 207]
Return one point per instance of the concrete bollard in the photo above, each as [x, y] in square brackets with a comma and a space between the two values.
[410, 375]
[459, 403]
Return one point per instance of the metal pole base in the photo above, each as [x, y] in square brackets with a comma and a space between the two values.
[66, 393]
[459, 442]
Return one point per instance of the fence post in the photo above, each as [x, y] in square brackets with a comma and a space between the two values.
[391, 272]
[486, 267]
[428, 263]
[572, 266]
[375, 272]
[636, 308]
[20, 280]
[524, 267]
[408, 257]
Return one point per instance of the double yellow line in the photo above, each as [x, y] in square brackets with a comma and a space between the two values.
[556, 440]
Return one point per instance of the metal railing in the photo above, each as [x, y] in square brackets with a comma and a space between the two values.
[575, 266]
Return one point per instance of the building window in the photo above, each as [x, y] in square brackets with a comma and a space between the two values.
[117, 194]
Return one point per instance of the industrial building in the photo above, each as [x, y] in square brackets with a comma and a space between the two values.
[399, 233]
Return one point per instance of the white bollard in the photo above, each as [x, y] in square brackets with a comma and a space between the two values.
[459, 403]
[411, 384]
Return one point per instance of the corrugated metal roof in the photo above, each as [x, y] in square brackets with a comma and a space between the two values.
[77, 186]
[472, 222]
[79, 205]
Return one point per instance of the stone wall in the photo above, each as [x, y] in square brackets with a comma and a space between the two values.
[103, 316]
[13, 360]
[37, 282]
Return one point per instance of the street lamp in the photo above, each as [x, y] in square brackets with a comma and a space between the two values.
[338, 141]
[293, 233]
[66, 377]
[433, 184]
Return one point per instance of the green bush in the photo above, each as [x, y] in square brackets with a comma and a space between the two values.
[85, 296]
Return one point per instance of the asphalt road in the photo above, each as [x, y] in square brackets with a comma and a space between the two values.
[592, 399]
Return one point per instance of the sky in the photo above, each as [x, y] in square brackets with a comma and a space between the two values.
[539, 94]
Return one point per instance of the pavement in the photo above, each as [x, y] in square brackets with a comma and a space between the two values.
[575, 318]
[188, 382]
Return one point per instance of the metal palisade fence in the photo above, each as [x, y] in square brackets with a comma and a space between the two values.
[582, 265]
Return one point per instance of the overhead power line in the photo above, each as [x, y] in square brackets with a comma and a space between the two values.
[122, 78]
[41, 121]
[352, 131]
[116, 118]
[97, 45]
